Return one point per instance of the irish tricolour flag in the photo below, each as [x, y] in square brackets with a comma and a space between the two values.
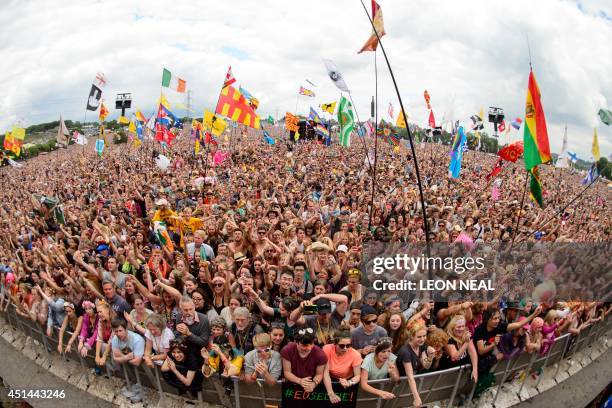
[173, 82]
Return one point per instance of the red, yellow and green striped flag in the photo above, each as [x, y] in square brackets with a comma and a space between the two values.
[535, 138]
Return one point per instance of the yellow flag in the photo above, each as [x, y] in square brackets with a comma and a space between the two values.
[136, 142]
[123, 120]
[162, 99]
[481, 114]
[328, 107]
[18, 133]
[132, 127]
[216, 126]
[595, 148]
[197, 147]
[400, 120]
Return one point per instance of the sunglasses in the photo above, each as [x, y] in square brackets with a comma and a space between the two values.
[344, 346]
[266, 350]
[218, 285]
[370, 321]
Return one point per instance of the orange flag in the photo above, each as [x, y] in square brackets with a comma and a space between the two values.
[377, 18]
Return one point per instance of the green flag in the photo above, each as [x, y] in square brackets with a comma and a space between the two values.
[346, 120]
[606, 116]
[270, 119]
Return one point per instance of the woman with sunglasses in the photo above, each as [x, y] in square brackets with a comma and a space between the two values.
[263, 362]
[378, 365]
[343, 364]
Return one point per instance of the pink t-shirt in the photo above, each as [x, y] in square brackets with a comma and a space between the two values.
[341, 366]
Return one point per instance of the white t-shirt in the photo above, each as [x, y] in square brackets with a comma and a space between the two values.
[161, 342]
[375, 373]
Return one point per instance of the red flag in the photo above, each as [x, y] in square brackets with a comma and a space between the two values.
[432, 120]
[502, 126]
[377, 18]
[426, 95]
[229, 78]
[511, 152]
[496, 169]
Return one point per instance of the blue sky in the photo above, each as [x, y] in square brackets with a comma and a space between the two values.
[468, 55]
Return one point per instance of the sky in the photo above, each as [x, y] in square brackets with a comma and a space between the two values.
[468, 55]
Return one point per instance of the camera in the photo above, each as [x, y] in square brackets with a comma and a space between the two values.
[310, 310]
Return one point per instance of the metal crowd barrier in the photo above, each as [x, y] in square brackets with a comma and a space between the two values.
[233, 393]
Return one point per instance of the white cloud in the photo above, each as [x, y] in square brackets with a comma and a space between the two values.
[467, 54]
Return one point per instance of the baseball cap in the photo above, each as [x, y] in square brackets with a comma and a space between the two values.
[324, 305]
[342, 248]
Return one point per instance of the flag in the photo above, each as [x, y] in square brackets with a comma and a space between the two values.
[427, 99]
[369, 127]
[535, 136]
[268, 139]
[477, 122]
[400, 120]
[254, 102]
[93, 101]
[495, 193]
[306, 92]
[390, 110]
[165, 116]
[8, 141]
[163, 135]
[79, 138]
[502, 126]
[229, 78]
[99, 146]
[322, 130]
[270, 120]
[62, 133]
[216, 124]
[140, 117]
[432, 119]
[328, 107]
[291, 122]
[18, 138]
[346, 121]
[100, 79]
[233, 105]
[516, 123]
[377, 19]
[335, 75]
[14, 163]
[103, 112]
[573, 157]
[163, 101]
[496, 169]
[313, 115]
[606, 116]
[591, 175]
[562, 161]
[511, 152]
[457, 153]
[132, 126]
[535, 186]
[123, 120]
[595, 147]
[173, 82]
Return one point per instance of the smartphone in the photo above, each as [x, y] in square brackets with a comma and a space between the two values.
[311, 310]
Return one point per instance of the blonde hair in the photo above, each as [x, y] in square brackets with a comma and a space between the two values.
[450, 327]
[262, 340]
[414, 328]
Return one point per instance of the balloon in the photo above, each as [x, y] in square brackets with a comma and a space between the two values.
[162, 162]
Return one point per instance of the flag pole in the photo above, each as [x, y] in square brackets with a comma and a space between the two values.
[365, 147]
[375, 135]
[518, 218]
[416, 164]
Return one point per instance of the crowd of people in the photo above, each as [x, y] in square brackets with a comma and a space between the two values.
[253, 266]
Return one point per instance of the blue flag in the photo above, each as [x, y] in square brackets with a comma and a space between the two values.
[268, 139]
[457, 153]
[314, 115]
[591, 175]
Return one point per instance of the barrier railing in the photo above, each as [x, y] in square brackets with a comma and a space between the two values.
[443, 385]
